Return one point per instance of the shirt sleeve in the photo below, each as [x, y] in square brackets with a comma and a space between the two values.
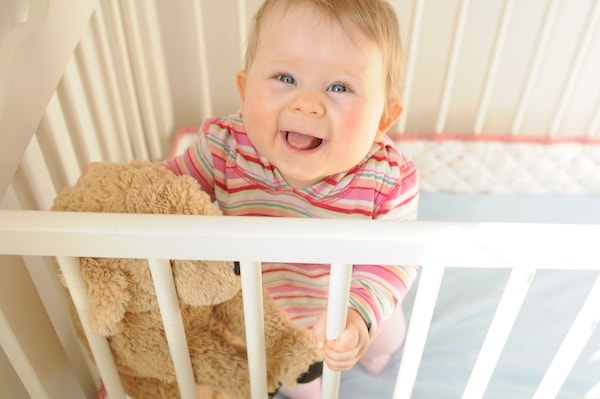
[196, 161]
[376, 290]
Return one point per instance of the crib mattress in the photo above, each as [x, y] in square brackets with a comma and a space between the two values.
[468, 164]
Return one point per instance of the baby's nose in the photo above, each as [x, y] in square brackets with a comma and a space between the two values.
[309, 103]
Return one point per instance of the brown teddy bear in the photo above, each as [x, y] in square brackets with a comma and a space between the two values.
[123, 305]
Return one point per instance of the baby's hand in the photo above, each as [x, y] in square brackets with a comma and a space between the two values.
[343, 353]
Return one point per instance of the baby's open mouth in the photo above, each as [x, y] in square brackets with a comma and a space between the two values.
[301, 141]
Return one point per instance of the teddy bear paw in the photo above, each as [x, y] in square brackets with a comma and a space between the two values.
[273, 393]
[314, 371]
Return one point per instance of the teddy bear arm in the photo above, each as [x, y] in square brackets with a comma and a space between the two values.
[292, 352]
[221, 363]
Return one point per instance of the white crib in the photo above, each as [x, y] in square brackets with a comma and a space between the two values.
[84, 80]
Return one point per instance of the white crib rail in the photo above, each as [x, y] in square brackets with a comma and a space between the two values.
[433, 245]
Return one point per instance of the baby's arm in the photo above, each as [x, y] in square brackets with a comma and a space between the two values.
[374, 293]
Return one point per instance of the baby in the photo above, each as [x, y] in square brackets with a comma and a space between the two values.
[320, 88]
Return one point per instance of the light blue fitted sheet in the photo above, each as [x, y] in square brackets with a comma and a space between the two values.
[469, 297]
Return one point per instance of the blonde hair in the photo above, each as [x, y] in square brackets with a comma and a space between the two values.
[376, 19]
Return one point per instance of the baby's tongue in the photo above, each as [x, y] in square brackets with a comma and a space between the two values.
[302, 141]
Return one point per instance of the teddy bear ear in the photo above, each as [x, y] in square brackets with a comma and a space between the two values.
[108, 294]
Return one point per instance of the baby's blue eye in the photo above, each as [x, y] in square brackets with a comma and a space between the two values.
[338, 88]
[286, 79]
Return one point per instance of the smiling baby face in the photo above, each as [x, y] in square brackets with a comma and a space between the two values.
[314, 96]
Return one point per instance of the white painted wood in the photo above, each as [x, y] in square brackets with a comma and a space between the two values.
[166, 296]
[411, 56]
[204, 89]
[71, 271]
[41, 35]
[455, 52]
[359, 241]
[255, 329]
[581, 330]
[499, 330]
[575, 70]
[340, 278]
[416, 336]
[534, 68]
[492, 70]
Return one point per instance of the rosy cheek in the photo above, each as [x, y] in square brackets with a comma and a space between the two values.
[353, 120]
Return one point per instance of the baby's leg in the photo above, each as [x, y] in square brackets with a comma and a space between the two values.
[311, 390]
[388, 340]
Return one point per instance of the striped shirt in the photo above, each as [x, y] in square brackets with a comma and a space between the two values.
[383, 186]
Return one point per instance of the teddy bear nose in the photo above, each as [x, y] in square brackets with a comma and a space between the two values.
[236, 268]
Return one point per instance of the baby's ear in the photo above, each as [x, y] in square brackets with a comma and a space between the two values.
[391, 114]
[240, 80]
[108, 294]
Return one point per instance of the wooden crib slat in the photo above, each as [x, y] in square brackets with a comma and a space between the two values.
[204, 90]
[534, 68]
[340, 277]
[124, 74]
[583, 52]
[166, 296]
[242, 23]
[449, 80]
[91, 62]
[251, 274]
[140, 43]
[119, 136]
[75, 110]
[162, 107]
[418, 328]
[411, 58]
[502, 323]
[71, 271]
[139, 74]
[60, 158]
[579, 334]
[492, 69]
